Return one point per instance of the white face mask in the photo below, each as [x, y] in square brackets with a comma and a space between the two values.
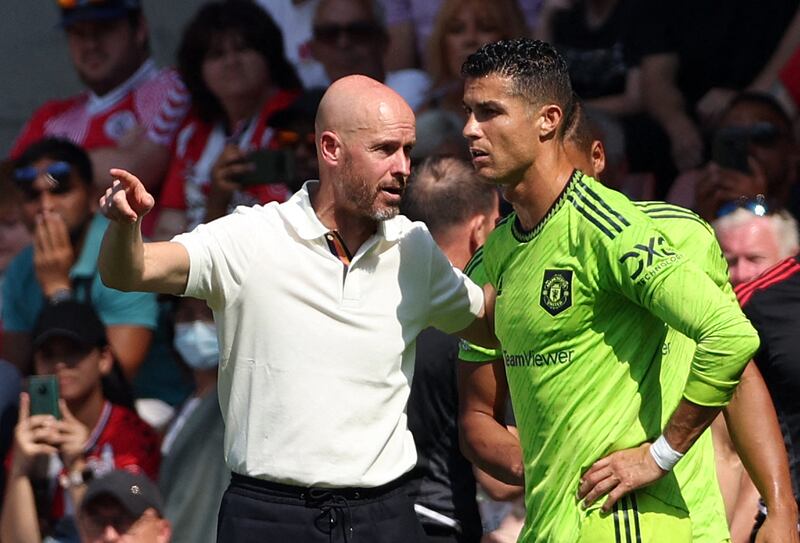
[197, 344]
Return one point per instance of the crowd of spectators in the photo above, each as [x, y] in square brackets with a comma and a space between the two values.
[695, 102]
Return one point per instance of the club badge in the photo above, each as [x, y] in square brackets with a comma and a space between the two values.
[556, 291]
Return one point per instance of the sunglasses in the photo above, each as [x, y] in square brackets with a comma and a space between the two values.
[290, 138]
[57, 175]
[757, 206]
[357, 31]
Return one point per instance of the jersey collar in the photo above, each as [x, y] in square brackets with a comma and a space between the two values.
[524, 236]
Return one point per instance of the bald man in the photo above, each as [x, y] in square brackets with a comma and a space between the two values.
[318, 302]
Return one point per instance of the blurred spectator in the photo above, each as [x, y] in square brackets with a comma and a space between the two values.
[460, 211]
[411, 24]
[591, 35]
[108, 43]
[295, 17]
[193, 473]
[14, 235]
[54, 456]
[696, 55]
[10, 384]
[54, 180]
[439, 134]
[350, 38]
[231, 59]
[294, 131]
[123, 506]
[772, 303]
[462, 26]
[754, 153]
[754, 241]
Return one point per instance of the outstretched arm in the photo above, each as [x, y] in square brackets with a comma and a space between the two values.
[125, 261]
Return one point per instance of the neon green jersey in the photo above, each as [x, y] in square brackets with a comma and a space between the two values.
[582, 310]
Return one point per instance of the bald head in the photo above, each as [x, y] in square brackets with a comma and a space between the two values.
[356, 102]
[365, 132]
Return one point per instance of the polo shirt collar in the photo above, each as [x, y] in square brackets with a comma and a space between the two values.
[298, 212]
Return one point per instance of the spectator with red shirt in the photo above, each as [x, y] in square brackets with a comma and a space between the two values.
[232, 60]
[108, 44]
[53, 459]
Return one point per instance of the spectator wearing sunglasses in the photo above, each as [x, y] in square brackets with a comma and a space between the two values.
[753, 152]
[54, 179]
[349, 37]
[754, 239]
[108, 44]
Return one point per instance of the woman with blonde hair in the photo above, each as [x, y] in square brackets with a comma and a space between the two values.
[461, 27]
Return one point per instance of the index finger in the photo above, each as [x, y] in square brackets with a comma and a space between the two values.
[24, 406]
[126, 178]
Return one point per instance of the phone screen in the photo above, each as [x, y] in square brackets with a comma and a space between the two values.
[43, 391]
[270, 166]
[729, 150]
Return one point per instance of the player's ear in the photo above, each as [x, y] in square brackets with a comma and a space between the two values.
[598, 157]
[550, 118]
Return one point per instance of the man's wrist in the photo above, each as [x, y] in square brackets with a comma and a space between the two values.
[664, 455]
[59, 294]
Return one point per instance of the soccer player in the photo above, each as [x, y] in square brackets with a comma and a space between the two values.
[750, 414]
[586, 289]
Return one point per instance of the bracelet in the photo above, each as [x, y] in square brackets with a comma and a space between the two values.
[665, 456]
[75, 478]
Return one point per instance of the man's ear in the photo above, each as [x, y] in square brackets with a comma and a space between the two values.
[479, 230]
[106, 360]
[598, 157]
[330, 147]
[550, 117]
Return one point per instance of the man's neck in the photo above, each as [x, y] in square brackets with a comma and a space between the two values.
[543, 183]
[244, 108]
[354, 230]
[89, 409]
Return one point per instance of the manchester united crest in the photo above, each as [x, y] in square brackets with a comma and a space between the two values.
[556, 291]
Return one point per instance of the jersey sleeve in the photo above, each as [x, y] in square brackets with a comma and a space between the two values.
[470, 352]
[640, 264]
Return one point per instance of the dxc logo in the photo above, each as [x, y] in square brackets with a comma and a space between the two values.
[644, 254]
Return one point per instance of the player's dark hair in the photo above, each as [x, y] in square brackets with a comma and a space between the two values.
[58, 149]
[444, 191]
[257, 30]
[579, 129]
[536, 70]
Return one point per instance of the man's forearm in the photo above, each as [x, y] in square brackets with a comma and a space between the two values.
[755, 432]
[19, 522]
[687, 423]
[121, 259]
[491, 447]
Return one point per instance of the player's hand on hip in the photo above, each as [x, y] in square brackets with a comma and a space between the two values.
[126, 200]
[618, 474]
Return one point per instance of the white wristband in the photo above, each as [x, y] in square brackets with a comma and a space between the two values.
[665, 456]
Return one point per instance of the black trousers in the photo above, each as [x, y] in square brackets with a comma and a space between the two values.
[258, 511]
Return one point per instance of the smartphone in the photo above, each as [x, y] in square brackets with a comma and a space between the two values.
[43, 392]
[729, 149]
[270, 166]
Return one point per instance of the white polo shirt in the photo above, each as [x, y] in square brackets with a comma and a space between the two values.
[317, 359]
